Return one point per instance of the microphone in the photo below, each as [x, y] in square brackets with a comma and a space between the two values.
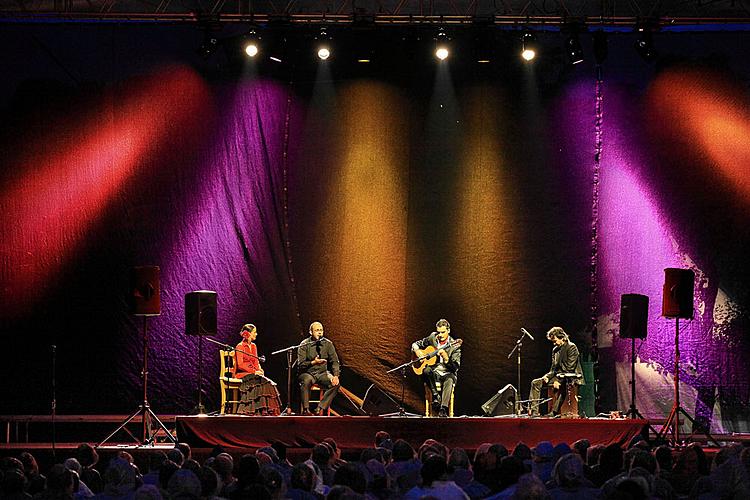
[525, 331]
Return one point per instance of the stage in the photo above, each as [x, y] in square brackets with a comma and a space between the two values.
[235, 431]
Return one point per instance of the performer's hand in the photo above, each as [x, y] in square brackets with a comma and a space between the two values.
[444, 356]
[419, 353]
[259, 372]
[545, 380]
[318, 361]
[335, 380]
[556, 384]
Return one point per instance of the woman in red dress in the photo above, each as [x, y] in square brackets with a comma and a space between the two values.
[258, 394]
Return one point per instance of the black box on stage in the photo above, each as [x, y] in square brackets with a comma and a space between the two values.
[377, 402]
[502, 403]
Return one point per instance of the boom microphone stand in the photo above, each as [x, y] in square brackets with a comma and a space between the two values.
[402, 367]
[517, 350]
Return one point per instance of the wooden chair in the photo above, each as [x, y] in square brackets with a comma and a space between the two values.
[315, 399]
[428, 400]
[230, 386]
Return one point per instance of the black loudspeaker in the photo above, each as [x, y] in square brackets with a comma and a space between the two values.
[145, 298]
[633, 316]
[502, 403]
[200, 313]
[677, 297]
[376, 402]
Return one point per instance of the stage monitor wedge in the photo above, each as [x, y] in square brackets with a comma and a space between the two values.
[502, 403]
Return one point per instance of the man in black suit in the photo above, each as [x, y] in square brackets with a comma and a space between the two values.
[565, 360]
[317, 363]
[445, 370]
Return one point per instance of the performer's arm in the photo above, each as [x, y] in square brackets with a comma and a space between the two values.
[334, 359]
[417, 346]
[570, 363]
[454, 363]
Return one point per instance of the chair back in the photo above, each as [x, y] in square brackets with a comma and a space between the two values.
[227, 364]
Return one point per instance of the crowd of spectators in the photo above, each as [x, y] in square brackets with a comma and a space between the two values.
[393, 469]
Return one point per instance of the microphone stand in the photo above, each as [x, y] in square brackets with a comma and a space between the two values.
[517, 350]
[289, 365]
[402, 367]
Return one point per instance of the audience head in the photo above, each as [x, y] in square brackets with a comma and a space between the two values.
[120, 477]
[148, 492]
[568, 471]
[167, 469]
[248, 469]
[185, 449]
[381, 437]
[522, 451]
[341, 492]
[663, 456]
[60, 481]
[176, 456]
[402, 451]
[352, 476]
[87, 455]
[271, 452]
[321, 454]
[543, 452]
[530, 487]
[459, 459]
[184, 484]
[73, 465]
[499, 450]
[303, 477]
[581, 447]
[273, 481]
[434, 468]
[209, 482]
[224, 465]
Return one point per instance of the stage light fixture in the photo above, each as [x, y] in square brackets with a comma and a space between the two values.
[209, 46]
[251, 44]
[324, 44]
[644, 44]
[528, 46]
[442, 45]
[573, 48]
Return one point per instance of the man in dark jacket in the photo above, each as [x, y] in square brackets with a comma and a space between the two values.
[565, 360]
[318, 363]
[445, 370]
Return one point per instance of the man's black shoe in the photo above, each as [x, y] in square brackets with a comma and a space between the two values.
[443, 412]
[306, 412]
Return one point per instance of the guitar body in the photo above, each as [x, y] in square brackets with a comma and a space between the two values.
[432, 356]
[419, 366]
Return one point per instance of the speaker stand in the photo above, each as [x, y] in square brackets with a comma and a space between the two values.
[671, 428]
[200, 409]
[148, 417]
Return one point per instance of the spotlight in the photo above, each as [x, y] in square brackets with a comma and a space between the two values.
[324, 44]
[644, 45]
[528, 46]
[442, 50]
[573, 48]
[250, 44]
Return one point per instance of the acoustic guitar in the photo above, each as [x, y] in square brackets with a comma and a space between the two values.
[430, 356]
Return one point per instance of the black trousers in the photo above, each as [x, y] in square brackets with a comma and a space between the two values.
[447, 381]
[306, 381]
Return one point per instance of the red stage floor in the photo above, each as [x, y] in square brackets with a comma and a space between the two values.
[234, 431]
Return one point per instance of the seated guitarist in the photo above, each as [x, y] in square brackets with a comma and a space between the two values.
[445, 370]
